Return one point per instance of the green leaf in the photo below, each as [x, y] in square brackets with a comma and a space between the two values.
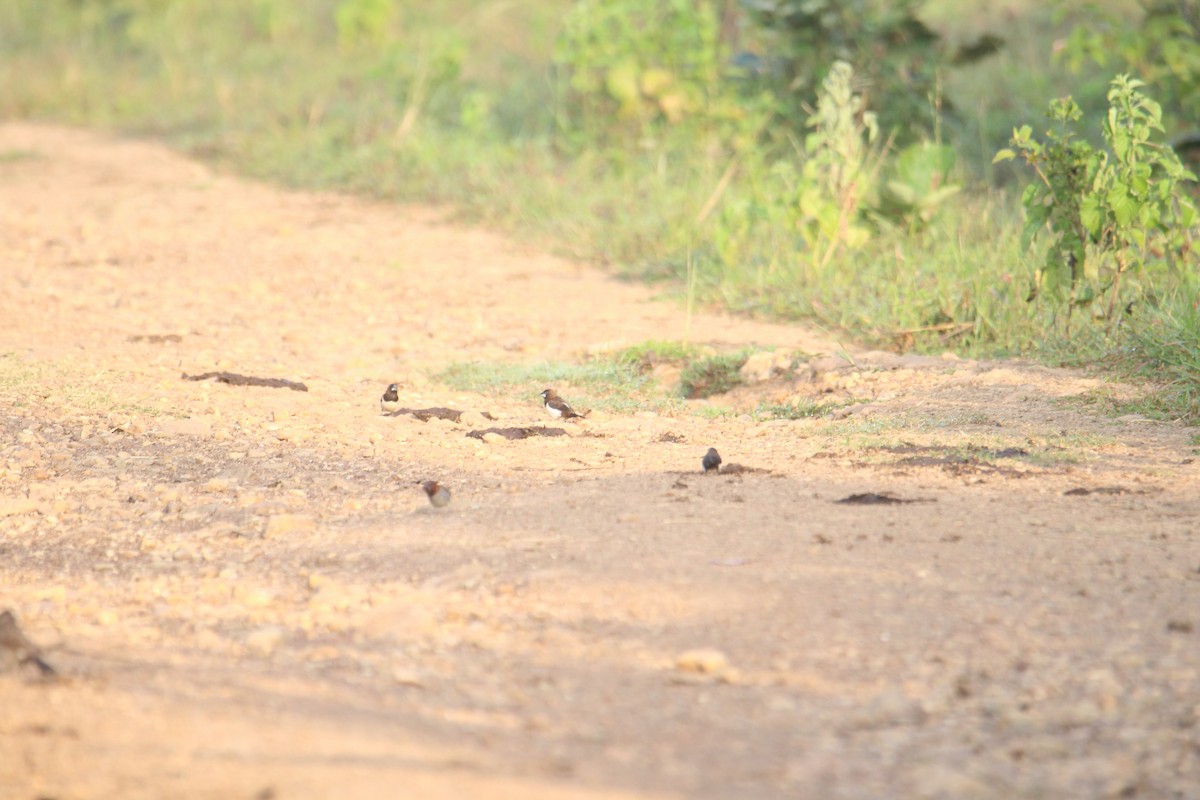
[1154, 111]
[1003, 155]
[1138, 237]
[901, 193]
[1139, 181]
[1034, 222]
[1187, 215]
[1091, 215]
[1124, 207]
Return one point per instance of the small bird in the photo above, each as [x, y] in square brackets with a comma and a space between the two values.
[557, 407]
[16, 649]
[711, 461]
[439, 496]
[391, 399]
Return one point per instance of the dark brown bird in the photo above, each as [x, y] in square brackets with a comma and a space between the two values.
[390, 400]
[16, 649]
[439, 496]
[557, 407]
[711, 461]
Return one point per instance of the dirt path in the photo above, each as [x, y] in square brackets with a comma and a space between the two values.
[249, 597]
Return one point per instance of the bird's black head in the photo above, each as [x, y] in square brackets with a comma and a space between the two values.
[393, 388]
[547, 393]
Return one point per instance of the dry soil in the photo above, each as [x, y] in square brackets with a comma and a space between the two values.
[247, 595]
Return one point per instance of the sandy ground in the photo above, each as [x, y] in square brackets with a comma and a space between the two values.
[247, 595]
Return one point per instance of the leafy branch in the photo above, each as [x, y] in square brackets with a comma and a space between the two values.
[1105, 213]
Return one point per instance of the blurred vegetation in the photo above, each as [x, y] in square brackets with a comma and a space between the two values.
[802, 159]
[711, 375]
[1110, 214]
[608, 384]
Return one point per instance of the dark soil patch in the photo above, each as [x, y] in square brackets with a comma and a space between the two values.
[233, 379]
[518, 433]
[877, 499]
[426, 414]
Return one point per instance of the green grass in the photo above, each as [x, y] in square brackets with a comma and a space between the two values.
[621, 381]
[609, 385]
[1165, 350]
[958, 285]
[17, 155]
[716, 374]
[1156, 349]
[457, 102]
[802, 409]
[490, 377]
[1105, 400]
[38, 383]
[713, 412]
[647, 355]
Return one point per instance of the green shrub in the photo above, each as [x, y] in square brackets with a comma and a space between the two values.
[840, 167]
[1162, 49]
[897, 54]
[636, 65]
[1107, 215]
[917, 184]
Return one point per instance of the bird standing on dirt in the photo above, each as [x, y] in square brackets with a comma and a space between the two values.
[391, 399]
[557, 407]
[439, 496]
[16, 649]
[711, 461]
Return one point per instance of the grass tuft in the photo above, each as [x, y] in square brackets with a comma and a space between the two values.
[1165, 350]
[802, 409]
[645, 356]
[711, 375]
[610, 385]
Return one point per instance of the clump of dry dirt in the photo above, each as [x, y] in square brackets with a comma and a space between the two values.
[247, 594]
